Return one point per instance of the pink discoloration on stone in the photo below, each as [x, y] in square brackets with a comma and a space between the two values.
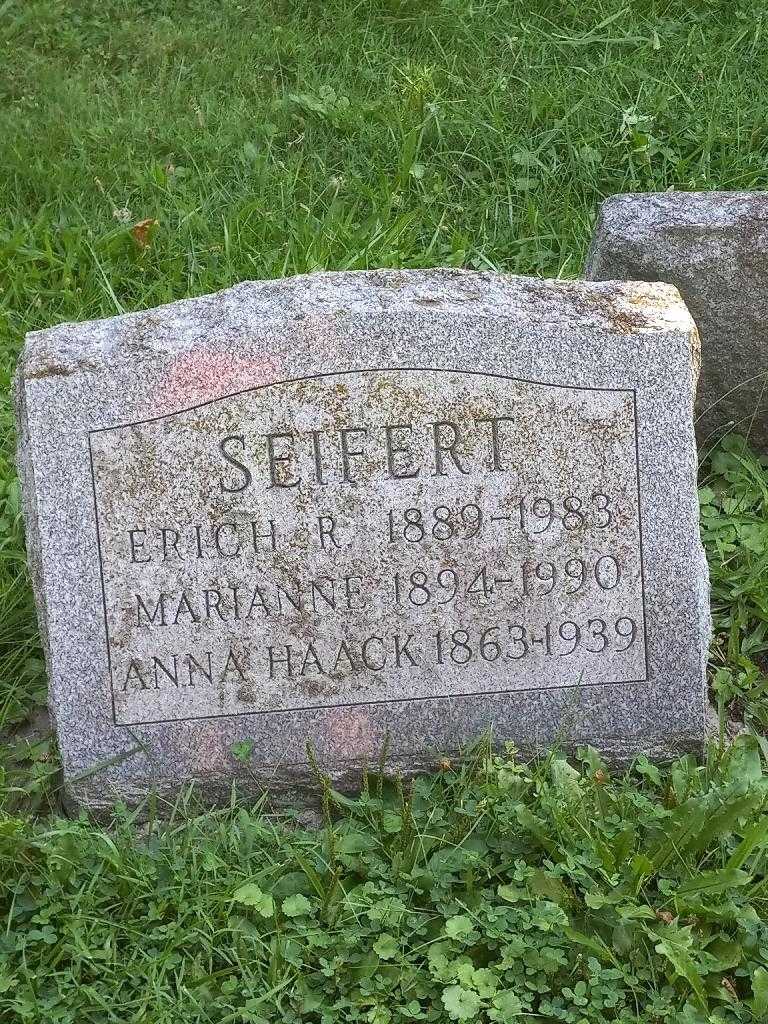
[194, 377]
[351, 731]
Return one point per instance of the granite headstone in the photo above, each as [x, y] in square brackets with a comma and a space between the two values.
[713, 246]
[364, 511]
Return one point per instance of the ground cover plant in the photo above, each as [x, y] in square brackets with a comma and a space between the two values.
[491, 892]
[150, 151]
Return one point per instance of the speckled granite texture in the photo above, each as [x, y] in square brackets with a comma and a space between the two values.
[241, 507]
[713, 246]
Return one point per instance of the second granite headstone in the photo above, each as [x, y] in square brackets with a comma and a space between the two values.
[364, 510]
[713, 246]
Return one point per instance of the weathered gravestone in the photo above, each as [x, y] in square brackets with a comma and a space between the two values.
[362, 510]
[713, 246]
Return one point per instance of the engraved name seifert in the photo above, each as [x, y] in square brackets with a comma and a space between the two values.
[372, 536]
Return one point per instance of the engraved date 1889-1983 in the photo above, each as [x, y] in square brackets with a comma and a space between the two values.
[532, 515]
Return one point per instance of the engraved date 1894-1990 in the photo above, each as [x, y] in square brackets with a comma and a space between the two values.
[529, 578]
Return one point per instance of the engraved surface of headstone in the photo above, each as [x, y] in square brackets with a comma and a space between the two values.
[364, 510]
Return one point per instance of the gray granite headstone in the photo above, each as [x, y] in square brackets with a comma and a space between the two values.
[364, 511]
[713, 246]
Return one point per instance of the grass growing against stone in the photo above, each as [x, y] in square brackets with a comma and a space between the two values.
[152, 151]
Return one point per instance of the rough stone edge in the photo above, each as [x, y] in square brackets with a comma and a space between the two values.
[26, 473]
[591, 265]
[609, 211]
[92, 345]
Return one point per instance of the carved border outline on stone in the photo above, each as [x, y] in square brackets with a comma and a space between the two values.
[392, 700]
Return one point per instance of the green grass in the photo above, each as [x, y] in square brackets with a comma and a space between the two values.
[734, 523]
[270, 138]
[495, 892]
